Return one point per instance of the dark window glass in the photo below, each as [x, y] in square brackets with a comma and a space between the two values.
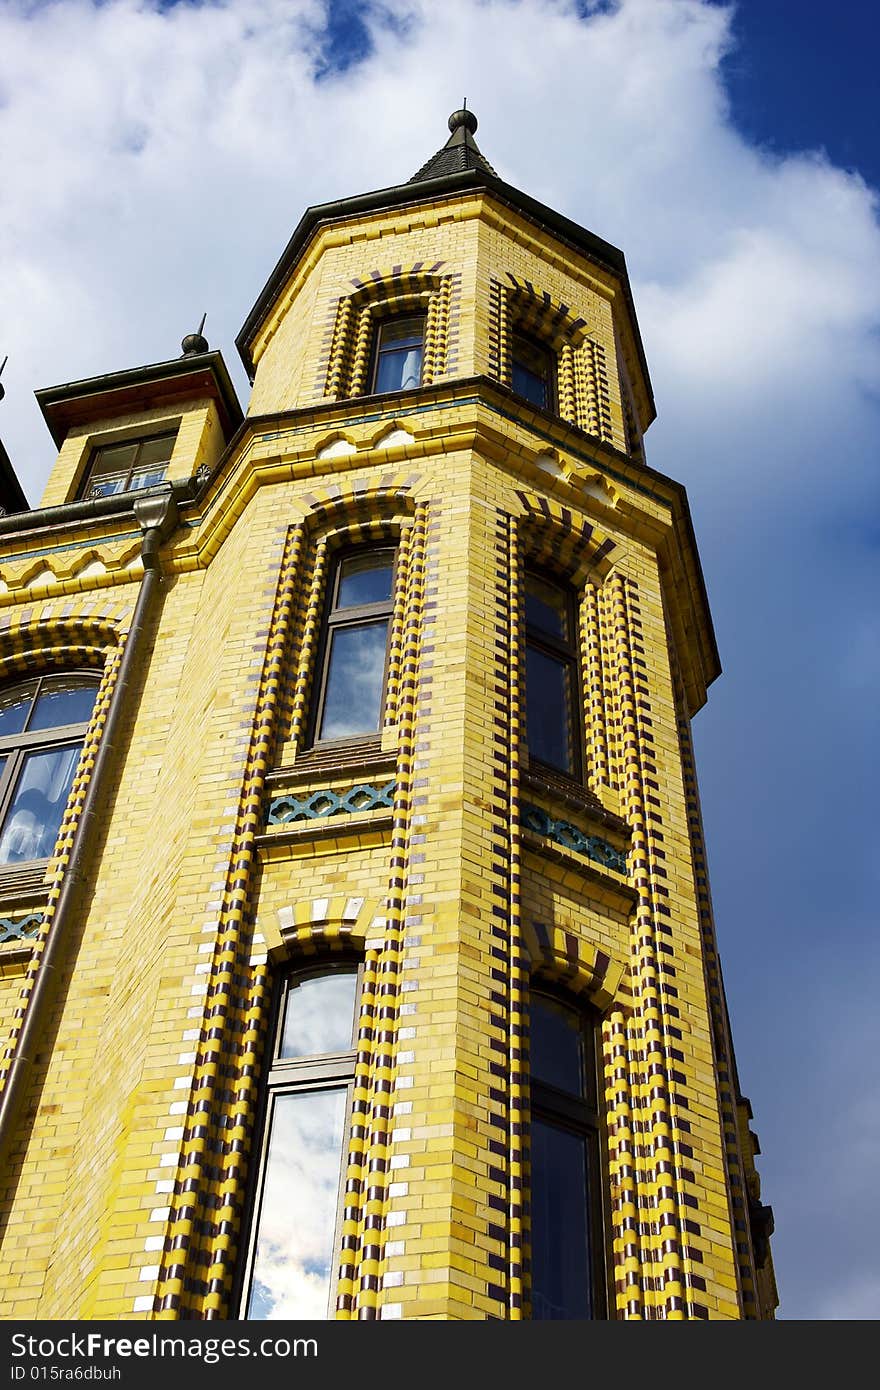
[127, 466]
[42, 726]
[566, 1223]
[555, 1051]
[552, 702]
[292, 1250]
[549, 703]
[398, 354]
[350, 692]
[560, 1224]
[547, 608]
[533, 369]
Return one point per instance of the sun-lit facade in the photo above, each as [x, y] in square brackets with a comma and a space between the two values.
[356, 949]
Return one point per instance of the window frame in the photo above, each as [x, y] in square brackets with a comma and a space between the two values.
[382, 322]
[15, 748]
[349, 617]
[583, 1117]
[564, 651]
[87, 481]
[552, 357]
[296, 1076]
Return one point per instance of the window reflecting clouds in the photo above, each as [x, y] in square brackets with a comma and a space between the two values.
[42, 725]
[31, 825]
[295, 1244]
[356, 665]
[398, 354]
[319, 1014]
[365, 579]
[350, 690]
[293, 1249]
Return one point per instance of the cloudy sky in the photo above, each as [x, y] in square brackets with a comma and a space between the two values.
[155, 158]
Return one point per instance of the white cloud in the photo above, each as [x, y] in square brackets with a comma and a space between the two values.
[156, 161]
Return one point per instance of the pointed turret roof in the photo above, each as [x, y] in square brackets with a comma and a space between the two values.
[460, 151]
[458, 168]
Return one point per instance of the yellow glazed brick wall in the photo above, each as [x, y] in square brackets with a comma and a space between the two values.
[125, 1186]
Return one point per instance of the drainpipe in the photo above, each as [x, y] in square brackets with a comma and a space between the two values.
[157, 514]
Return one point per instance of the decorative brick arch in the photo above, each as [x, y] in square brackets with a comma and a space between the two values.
[316, 926]
[32, 639]
[396, 289]
[554, 536]
[360, 505]
[581, 968]
[535, 311]
[582, 377]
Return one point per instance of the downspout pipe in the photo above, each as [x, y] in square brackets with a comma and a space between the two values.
[157, 515]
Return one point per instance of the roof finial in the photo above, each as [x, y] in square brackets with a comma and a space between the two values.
[463, 117]
[2, 365]
[194, 343]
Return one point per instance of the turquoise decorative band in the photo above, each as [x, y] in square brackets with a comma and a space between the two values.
[325, 802]
[20, 928]
[562, 832]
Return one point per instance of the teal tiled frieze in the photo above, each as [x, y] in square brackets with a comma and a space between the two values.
[283, 810]
[23, 928]
[563, 833]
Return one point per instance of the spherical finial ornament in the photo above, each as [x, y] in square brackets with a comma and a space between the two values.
[193, 344]
[463, 118]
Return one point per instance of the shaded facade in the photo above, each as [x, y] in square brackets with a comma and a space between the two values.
[358, 953]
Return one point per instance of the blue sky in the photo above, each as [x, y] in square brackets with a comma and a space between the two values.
[155, 160]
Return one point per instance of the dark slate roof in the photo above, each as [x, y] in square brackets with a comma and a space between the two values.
[460, 151]
[12, 498]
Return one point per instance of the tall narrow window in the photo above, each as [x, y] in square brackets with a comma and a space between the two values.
[397, 361]
[533, 371]
[42, 726]
[291, 1255]
[566, 1221]
[551, 675]
[127, 466]
[352, 678]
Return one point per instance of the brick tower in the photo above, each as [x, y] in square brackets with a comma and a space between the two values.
[358, 958]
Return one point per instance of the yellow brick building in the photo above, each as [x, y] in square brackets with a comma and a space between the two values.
[358, 956]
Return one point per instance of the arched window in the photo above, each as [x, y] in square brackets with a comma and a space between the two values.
[291, 1253]
[43, 722]
[350, 684]
[552, 687]
[567, 1265]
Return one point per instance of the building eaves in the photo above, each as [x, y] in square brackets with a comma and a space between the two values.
[180, 378]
